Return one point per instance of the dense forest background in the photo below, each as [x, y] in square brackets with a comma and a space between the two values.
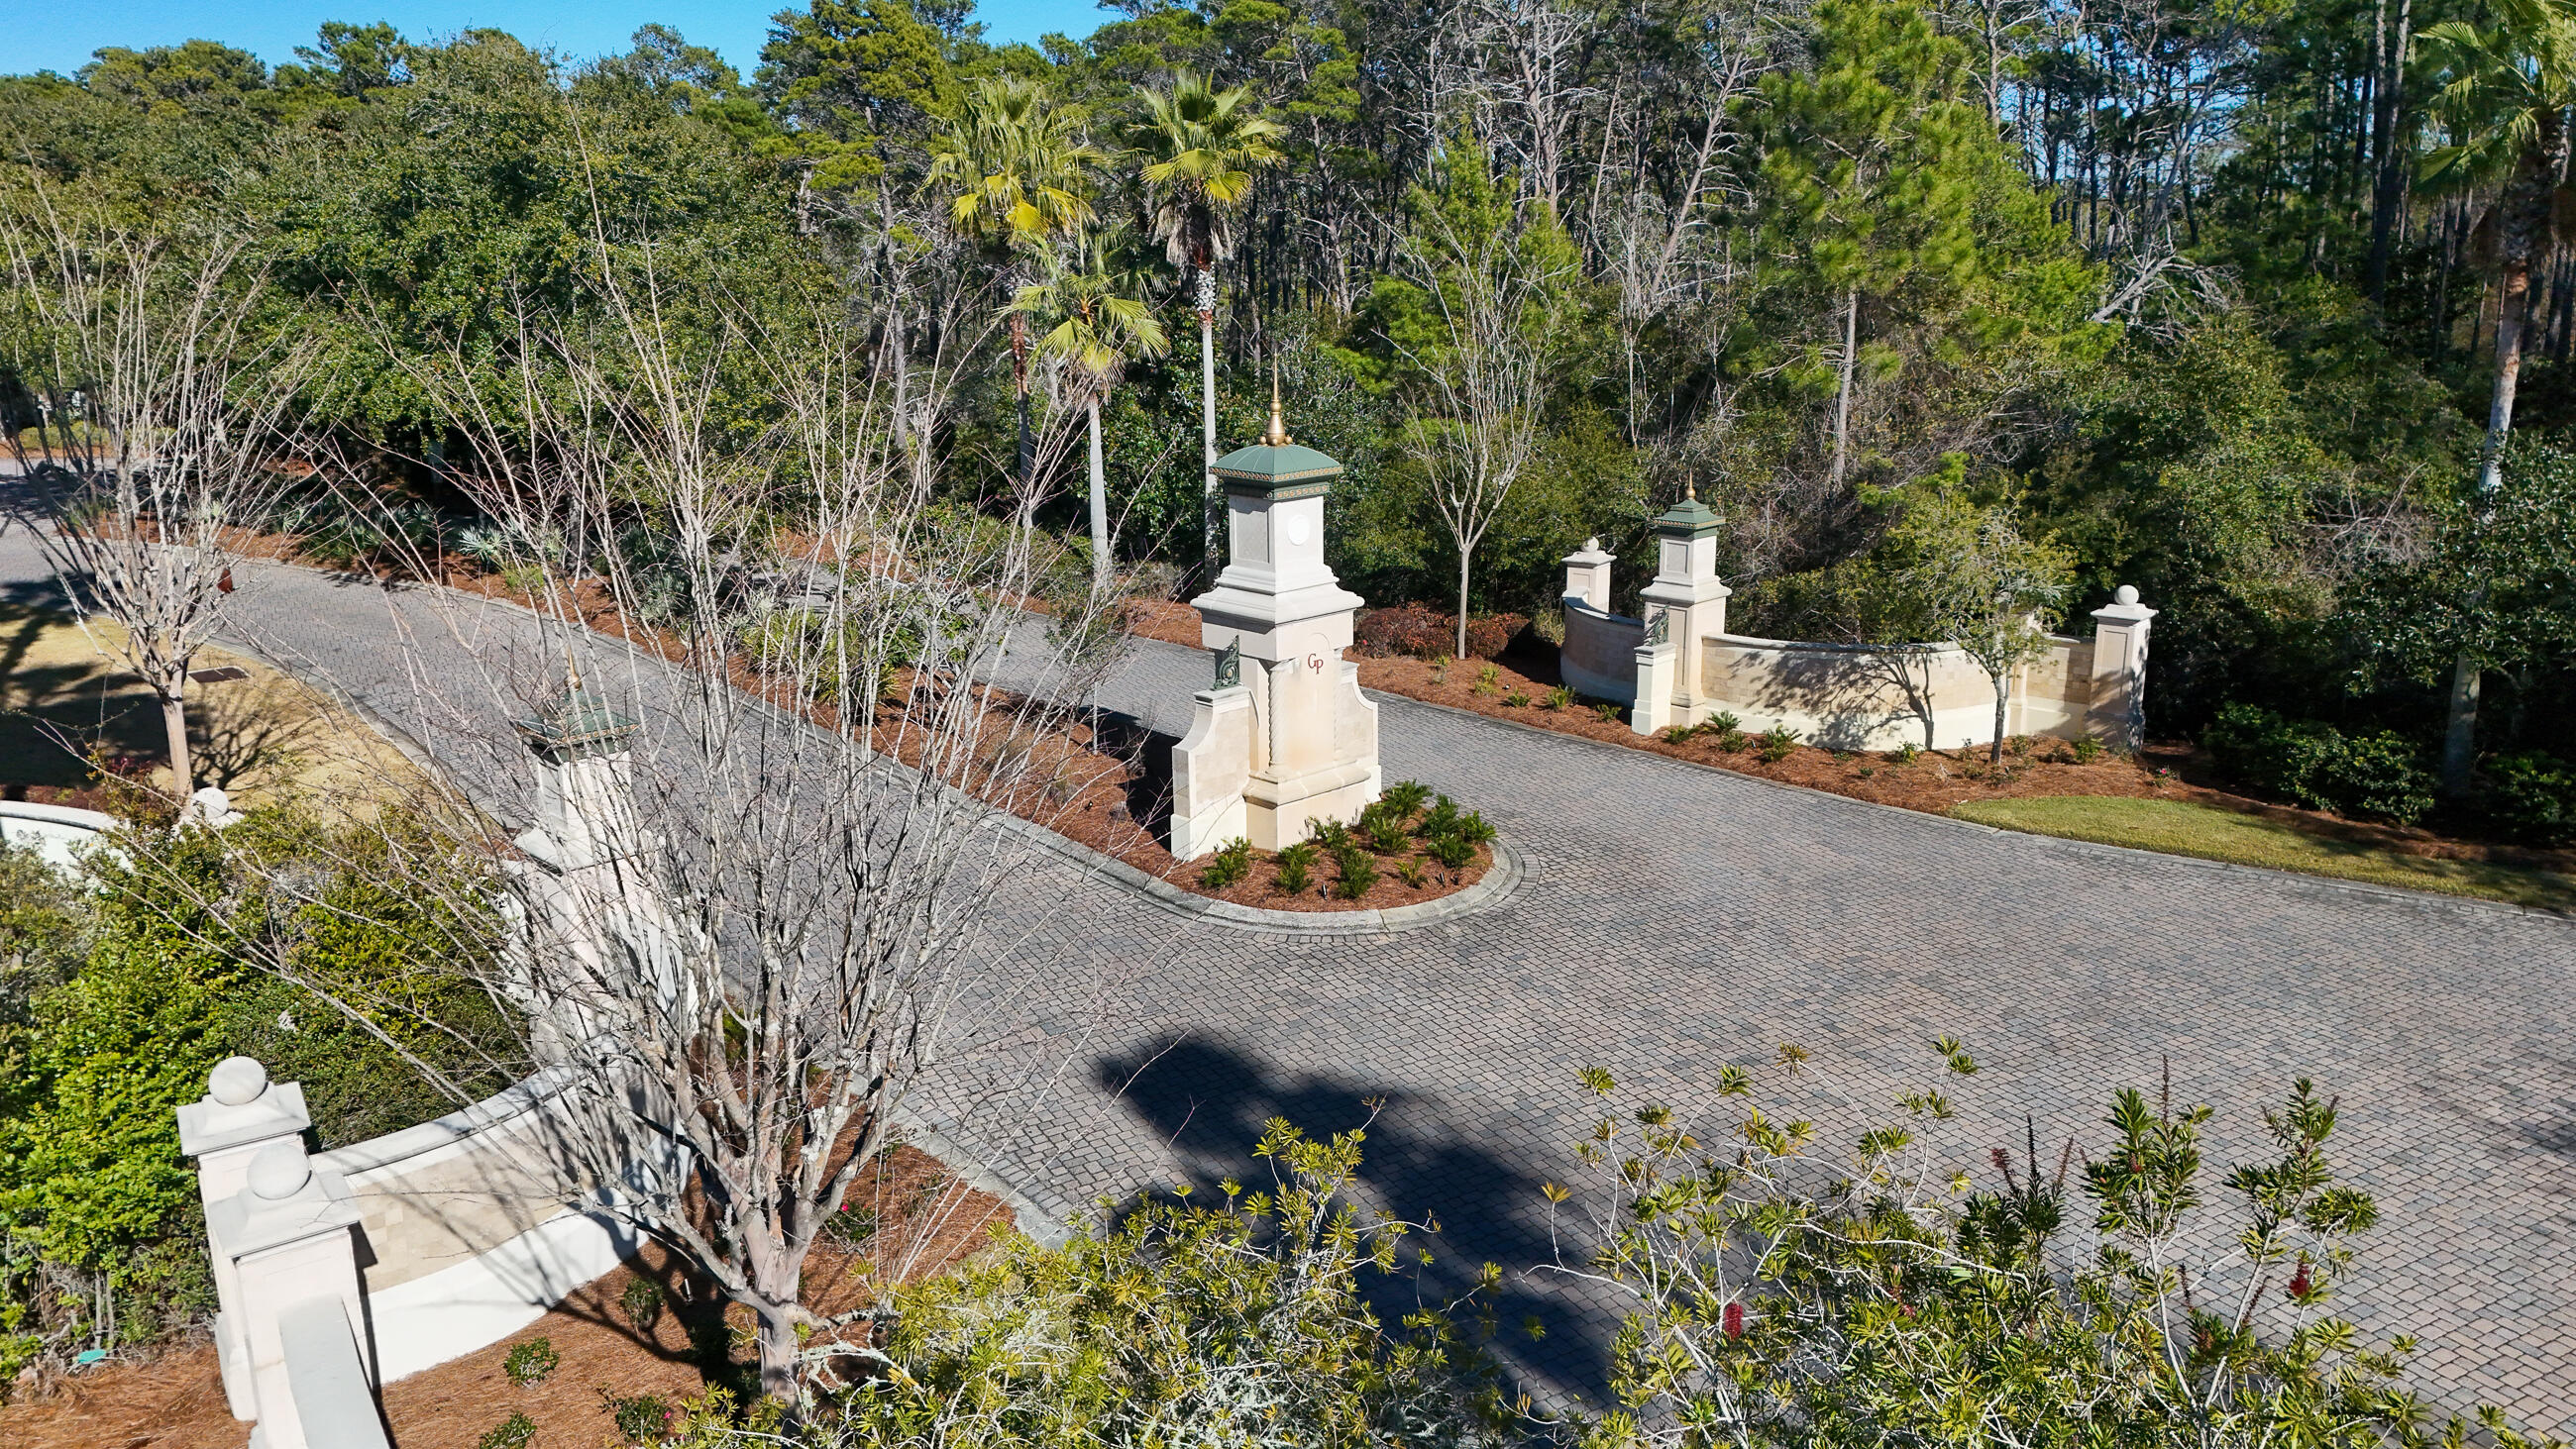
[2206, 294]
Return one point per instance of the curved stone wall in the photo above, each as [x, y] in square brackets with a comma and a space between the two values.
[1598, 659]
[470, 1223]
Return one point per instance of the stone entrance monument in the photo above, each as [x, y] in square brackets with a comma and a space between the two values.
[1284, 736]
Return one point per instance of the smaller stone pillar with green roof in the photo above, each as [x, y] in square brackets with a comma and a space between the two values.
[1685, 604]
[1289, 739]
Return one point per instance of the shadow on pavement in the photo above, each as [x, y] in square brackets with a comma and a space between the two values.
[1210, 1099]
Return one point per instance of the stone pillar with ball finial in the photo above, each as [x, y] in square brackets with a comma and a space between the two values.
[2117, 714]
[290, 1330]
[1283, 738]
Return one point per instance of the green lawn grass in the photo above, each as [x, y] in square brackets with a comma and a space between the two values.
[2177, 827]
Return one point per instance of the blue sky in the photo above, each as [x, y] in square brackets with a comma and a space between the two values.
[54, 35]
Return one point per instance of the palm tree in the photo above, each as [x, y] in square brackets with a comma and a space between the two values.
[2505, 86]
[1099, 328]
[1018, 165]
[1204, 143]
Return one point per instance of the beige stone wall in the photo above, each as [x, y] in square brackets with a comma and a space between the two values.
[1867, 698]
[436, 1195]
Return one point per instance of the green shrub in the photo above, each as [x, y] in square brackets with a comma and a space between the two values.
[1777, 743]
[640, 1418]
[1720, 723]
[2317, 766]
[1678, 734]
[154, 977]
[1405, 796]
[2530, 798]
[1235, 1318]
[1231, 863]
[1384, 828]
[515, 1432]
[2379, 777]
[1411, 871]
[1971, 1274]
[1557, 698]
[1607, 712]
[1488, 679]
[853, 1227]
[1297, 867]
[1517, 699]
[532, 1362]
[1358, 870]
[642, 1302]
[1733, 741]
[1453, 851]
[1439, 819]
[2088, 748]
[1907, 754]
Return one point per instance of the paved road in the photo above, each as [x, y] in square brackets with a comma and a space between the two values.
[1678, 919]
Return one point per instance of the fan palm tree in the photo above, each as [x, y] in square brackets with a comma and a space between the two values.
[1203, 144]
[1017, 166]
[2505, 86]
[1098, 328]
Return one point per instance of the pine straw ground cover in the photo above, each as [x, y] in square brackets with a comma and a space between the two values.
[668, 1338]
[1523, 686]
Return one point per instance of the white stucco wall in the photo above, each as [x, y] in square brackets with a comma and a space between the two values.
[477, 1223]
[55, 832]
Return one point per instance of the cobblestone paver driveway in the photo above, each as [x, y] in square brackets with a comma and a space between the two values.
[1678, 919]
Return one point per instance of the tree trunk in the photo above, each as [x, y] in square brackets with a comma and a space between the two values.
[902, 387]
[2508, 372]
[2523, 216]
[2460, 732]
[1462, 598]
[1842, 398]
[174, 724]
[1020, 381]
[2003, 692]
[778, 1357]
[1212, 506]
[1100, 540]
[2391, 187]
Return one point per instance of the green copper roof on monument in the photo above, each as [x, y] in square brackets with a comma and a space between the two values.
[1689, 518]
[1278, 462]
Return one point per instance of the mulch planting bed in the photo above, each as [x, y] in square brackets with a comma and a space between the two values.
[926, 1222]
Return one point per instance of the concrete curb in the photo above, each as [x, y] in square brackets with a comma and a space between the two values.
[1046, 1227]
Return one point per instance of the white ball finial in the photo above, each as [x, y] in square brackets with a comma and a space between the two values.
[280, 1171]
[237, 1081]
[2125, 594]
[1592, 545]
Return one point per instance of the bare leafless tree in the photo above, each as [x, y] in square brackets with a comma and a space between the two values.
[784, 805]
[1495, 299]
[821, 762]
[166, 425]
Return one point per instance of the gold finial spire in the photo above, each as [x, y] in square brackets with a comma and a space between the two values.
[1690, 488]
[1277, 437]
